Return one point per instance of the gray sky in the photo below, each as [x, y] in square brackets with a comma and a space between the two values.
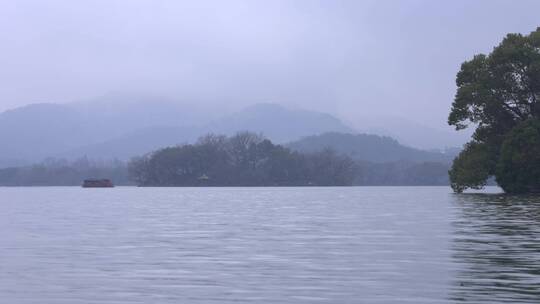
[351, 58]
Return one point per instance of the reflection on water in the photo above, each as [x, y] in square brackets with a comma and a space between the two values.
[496, 246]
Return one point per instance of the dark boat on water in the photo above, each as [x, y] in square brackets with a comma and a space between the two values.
[97, 183]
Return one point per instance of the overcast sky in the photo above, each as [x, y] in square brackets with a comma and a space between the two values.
[351, 58]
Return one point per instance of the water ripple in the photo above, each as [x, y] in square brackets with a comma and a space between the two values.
[267, 245]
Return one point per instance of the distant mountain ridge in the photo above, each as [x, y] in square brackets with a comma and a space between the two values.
[105, 129]
[41, 129]
[273, 121]
[118, 126]
[278, 123]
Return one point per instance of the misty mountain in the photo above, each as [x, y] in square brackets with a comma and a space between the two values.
[122, 127]
[366, 147]
[40, 130]
[275, 122]
[135, 143]
[121, 113]
[278, 123]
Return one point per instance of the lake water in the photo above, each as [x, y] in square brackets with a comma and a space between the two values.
[267, 245]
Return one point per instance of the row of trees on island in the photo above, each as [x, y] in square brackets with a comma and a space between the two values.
[245, 159]
[61, 172]
[499, 94]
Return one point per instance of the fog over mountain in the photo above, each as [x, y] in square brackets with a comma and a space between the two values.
[352, 59]
[278, 123]
[184, 68]
[126, 128]
[123, 125]
[273, 121]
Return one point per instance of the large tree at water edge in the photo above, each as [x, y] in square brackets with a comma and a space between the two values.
[499, 94]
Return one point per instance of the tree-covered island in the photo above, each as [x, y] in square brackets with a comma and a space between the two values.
[499, 94]
[245, 159]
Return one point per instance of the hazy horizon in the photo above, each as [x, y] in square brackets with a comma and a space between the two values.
[270, 151]
[353, 59]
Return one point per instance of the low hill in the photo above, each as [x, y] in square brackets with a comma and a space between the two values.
[366, 147]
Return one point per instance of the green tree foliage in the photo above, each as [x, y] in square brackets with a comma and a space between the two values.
[471, 168]
[518, 169]
[245, 159]
[496, 92]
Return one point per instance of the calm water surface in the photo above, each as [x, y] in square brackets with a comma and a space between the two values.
[267, 245]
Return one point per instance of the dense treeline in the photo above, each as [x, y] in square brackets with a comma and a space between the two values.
[60, 172]
[366, 174]
[245, 159]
